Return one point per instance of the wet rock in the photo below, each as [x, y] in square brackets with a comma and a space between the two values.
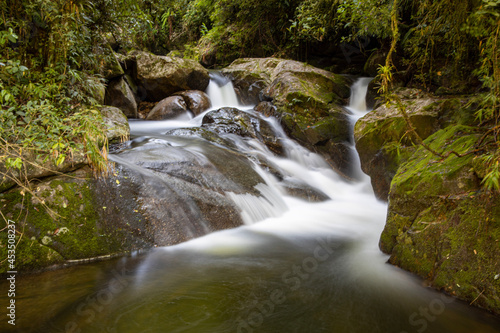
[203, 133]
[157, 194]
[303, 191]
[168, 108]
[266, 108]
[119, 94]
[158, 77]
[196, 101]
[177, 194]
[234, 121]
[277, 78]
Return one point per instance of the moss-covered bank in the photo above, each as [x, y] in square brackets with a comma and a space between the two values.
[61, 223]
[441, 225]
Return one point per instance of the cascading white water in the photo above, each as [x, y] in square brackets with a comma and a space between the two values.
[221, 92]
[358, 108]
[357, 102]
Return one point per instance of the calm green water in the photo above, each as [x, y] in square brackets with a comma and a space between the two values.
[255, 281]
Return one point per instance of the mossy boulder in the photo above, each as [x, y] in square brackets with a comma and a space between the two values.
[57, 222]
[117, 127]
[441, 225]
[158, 77]
[155, 195]
[383, 140]
[111, 67]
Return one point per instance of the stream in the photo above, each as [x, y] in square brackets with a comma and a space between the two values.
[294, 266]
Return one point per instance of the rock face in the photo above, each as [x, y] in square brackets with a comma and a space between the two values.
[158, 77]
[441, 225]
[168, 108]
[305, 98]
[120, 95]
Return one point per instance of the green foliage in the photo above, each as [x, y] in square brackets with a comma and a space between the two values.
[239, 28]
[46, 103]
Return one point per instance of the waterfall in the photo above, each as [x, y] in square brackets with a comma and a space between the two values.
[358, 108]
[221, 91]
[358, 94]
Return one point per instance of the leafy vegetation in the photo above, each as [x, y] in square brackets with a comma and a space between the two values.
[53, 53]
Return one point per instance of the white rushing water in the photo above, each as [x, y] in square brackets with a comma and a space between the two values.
[352, 210]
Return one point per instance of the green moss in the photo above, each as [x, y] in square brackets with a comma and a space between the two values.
[68, 229]
[441, 226]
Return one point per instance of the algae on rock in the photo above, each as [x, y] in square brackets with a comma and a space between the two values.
[61, 223]
[441, 225]
[384, 141]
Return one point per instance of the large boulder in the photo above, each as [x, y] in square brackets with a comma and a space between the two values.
[197, 101]
[168, 108]
[441, 225]
[57, 222]
[305, 98]
[120, 95]
[383, 140]
[158, 77]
